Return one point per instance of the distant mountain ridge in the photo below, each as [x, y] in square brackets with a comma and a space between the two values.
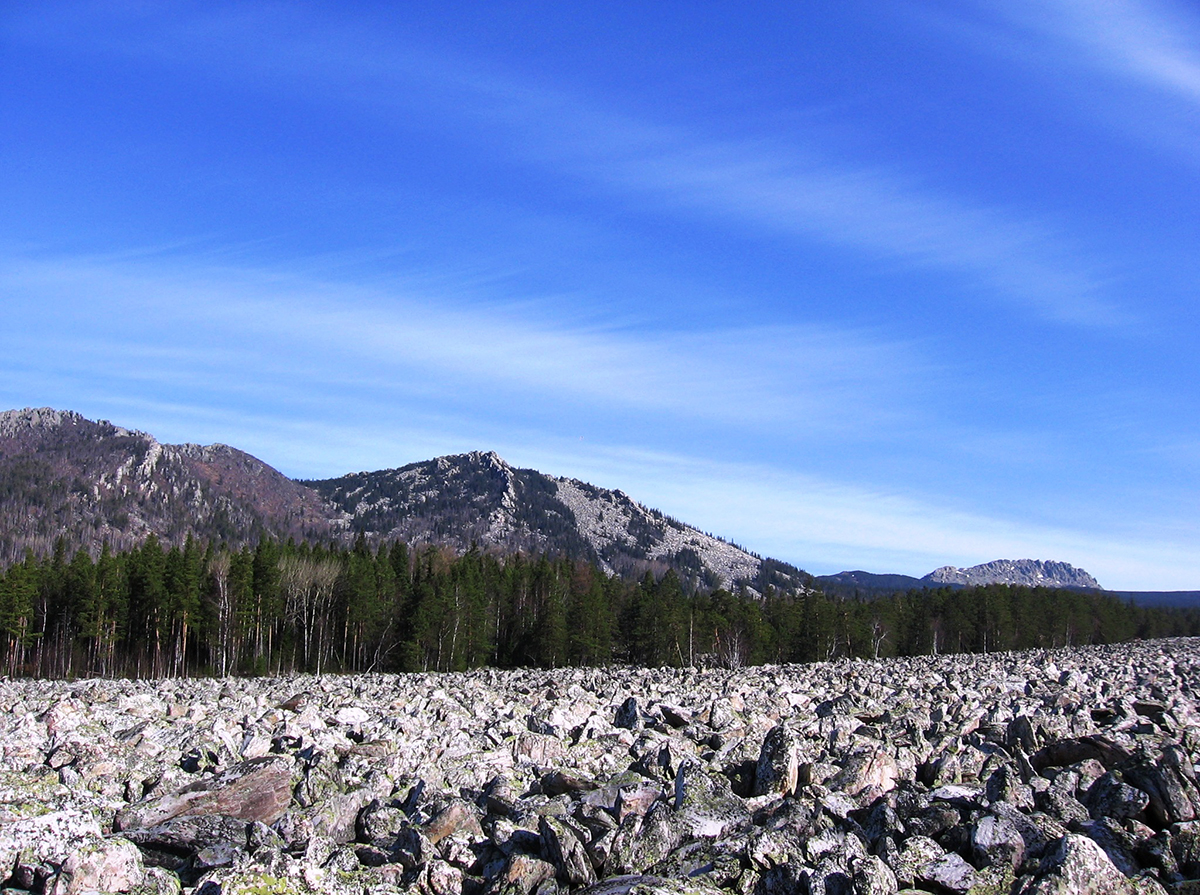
[860, 581]
[64, 475]
[1027, 572]
[91, 481]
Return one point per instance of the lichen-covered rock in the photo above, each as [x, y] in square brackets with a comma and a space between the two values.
[705, 806]
[51, 836]
[1111, 796]
[1078, 866]
[923, 862]
[996, 840]
[564, 848]
[457, 816]
[778, 763]
[523, 874]
[628, 715]
[100, 865]
[253, 883]
[189, 834]
[866, 774]
[1169, 782]
[255, 790]
[987, 774]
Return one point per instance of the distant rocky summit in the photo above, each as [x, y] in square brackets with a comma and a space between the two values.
[1042, 773]
[1028, 572]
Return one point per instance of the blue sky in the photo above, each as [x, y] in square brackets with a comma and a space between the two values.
[856, 285]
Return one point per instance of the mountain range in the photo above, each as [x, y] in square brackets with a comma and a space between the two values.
[1027, 572]
[90, 482]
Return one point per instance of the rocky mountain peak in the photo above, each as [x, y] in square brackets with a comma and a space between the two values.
[39, 422]
[479, 499]
[486, 458]
[14, 422]
[1030, 572]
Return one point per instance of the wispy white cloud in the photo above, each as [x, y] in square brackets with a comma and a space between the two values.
[1155, 43]
[320, 378]
[826, 525]
[298, 334]
[1134, 64]
[1001, 254]
[791, 188]
[319, 382]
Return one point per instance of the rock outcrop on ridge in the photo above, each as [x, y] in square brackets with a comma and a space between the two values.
[1070, 771]
[1022, 572]
[1028, 572]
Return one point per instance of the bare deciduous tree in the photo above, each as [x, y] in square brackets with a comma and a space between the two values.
[308, 588]
[218, 568]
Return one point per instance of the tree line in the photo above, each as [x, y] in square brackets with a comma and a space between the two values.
[273, 608]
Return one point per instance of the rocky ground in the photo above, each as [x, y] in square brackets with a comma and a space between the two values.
[1053, 772]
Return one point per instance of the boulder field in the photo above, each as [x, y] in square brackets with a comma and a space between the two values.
[1041, 773]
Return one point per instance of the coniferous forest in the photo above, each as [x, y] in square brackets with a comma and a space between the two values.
[204, 609]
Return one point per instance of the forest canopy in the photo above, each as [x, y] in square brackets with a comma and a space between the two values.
[202, 608]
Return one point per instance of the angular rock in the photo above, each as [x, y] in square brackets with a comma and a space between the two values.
[523, 874]
[646, 884]
[100, 865]
[778, 763]
[48, 837]
[1185, 847]
[412, 849]
[636, 798]
[641, 842]
[377, 822]
[1070, 751]
[628, 715]
[187, 835]
[1173, 797]
[705, 806]
[1078, 866]
[566, 852]
[1110, 796]
[456, 817]
[923, 862]
[996, 840]
[255, 790]
[872, 876]
[558, 783]
[868, 773]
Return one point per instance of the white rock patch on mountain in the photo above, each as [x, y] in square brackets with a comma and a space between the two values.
[1029, 572]
[608, 519]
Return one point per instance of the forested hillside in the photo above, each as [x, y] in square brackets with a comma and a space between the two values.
[89, 482]
[63, 476]
[272, 608]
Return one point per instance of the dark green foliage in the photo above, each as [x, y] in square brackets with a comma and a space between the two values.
[200, 609]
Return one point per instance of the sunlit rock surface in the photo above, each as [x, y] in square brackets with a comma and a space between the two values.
[1036, 772]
